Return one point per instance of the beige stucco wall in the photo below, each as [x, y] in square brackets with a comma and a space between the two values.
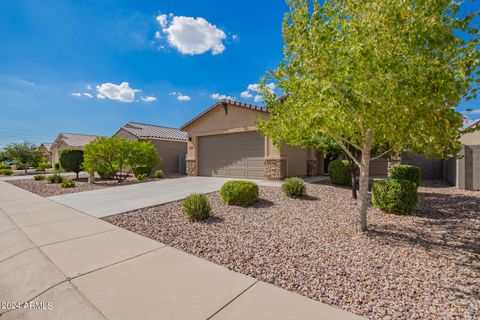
[169, 151]
[296, 160]
[122, 133]
[471, 139]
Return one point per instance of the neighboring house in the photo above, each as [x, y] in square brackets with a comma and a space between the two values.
[171, 143]
[223, 142]
[69, 141]
[45, 149]
[464, 172]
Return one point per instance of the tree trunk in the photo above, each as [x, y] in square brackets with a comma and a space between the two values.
[91, 177]
[353, 171]
[363, 202]
[77, 175]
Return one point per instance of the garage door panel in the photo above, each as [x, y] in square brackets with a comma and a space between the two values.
[232, 155]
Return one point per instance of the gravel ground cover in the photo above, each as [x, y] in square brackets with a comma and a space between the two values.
[422, 266]
[47, 189]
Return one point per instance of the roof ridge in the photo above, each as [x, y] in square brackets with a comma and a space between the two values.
[83, 134]
[151, 125]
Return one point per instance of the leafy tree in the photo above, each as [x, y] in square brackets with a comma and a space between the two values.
[143, 157]
[3, 156]
[72, 160]
[374, 72]
[119, 156]
[24, 153]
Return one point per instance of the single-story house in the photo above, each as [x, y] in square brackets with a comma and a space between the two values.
[69, 141]
[171, 143]
[45, 149]
[223, 142]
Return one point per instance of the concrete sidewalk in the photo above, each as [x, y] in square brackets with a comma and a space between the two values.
[110, 201]
[68, 265]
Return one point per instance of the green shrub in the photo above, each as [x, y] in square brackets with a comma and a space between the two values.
[294, 187]
[43, 166]
[3, 166]
[39, 177]
[142, 177]
[55, 178]
[394, 195]
[339, 172]
[68, 183]
[196, 207]
[239, 193]
[71, 160]
[57, 166]
[407, 172]
[159, 174]
[6, 172]
[105, 172]
[141, 171]
[21, 166]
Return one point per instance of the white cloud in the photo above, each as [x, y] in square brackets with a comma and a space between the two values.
[121, 92]
[246, 95]
[89, 87]
[162, 20]
[476, 111]
[86, 94]
[148, 99]
[76, 94]
[191, 35]
[235, 37]
[182, 97]
[218, 96]
[253, 91]
[158, 35]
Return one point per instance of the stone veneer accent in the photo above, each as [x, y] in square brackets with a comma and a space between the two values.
[192, 168]
[393, 160]
[275, 169]
[312, 167]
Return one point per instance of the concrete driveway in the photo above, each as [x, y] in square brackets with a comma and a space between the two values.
[115, 200]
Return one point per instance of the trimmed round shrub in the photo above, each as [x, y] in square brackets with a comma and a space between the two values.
[57, 166]
[68, 183]
[394, 195]
[339, 172]
[407, 172]
[142, 177]
[196, 207]
[294, 187]
[55, 178]
[6, 172]
[159, 174]
[71, 160]
[39, 177]
[239, 193]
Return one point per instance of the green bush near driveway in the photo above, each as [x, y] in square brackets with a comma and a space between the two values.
[407, 172]
[141, 171]
[239, 193]
[159, 174]
[57, 166]
[142, 177]
[55, 178]
[394, 195]
[196, 207]
[294, 187]
[43, 166]
[68, 183]
[6, 172]
[339, 172]
[3, 166]
[39, 177]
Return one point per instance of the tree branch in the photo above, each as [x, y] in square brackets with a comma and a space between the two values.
[358, 163]
[351, 143]
[381, 155]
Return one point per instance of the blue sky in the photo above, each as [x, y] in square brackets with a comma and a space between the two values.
[91, 66]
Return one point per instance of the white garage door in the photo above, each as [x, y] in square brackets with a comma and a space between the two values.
[239, 155]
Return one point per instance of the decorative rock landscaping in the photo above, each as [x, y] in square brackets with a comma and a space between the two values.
[424, 265]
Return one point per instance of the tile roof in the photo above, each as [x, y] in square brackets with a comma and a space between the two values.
[232, 102]
[48, 145]
[148, 131]
[76, 140]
